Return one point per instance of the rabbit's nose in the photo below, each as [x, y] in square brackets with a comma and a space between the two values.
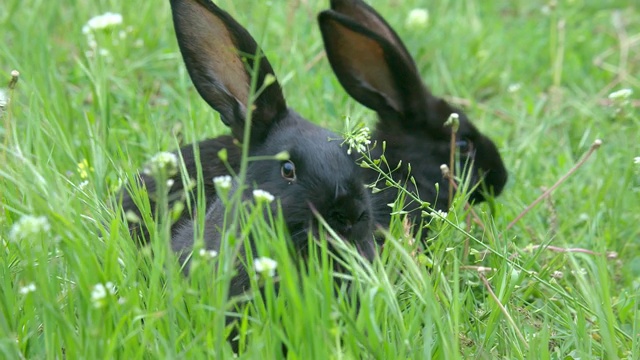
[345, 221]
[343, 224]
[346, 227]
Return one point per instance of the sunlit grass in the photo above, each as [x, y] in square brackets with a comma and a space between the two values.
[535, 77]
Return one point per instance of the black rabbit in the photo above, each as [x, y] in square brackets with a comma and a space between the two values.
[318, 178]
[375, 68]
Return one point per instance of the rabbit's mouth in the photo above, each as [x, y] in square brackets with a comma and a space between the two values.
[352, 228]
[317, 230]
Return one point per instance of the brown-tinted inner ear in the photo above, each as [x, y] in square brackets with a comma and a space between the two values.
[364, 59]
[366, 16]
[214, 51]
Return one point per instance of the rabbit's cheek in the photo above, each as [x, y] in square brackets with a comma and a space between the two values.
[364, 240]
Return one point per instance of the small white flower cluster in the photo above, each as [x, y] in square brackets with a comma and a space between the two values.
[358, 140]
[439, 214]
[103, 21]
[515, 87]
[132, 217]
[29, 226]
[623, 94]
[100, 292]
[265, 266]
[83, 185]
[636, 160]
[99, 23]
[453, 121]
[417, 19]
[103, 24]
[208, 254]
[163, 162]
[4, 99]
[262, 196]
[620, 100]
[222, 182]
[29, 288]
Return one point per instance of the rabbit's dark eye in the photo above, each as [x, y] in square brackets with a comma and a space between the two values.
[288, 171]
[465, 147]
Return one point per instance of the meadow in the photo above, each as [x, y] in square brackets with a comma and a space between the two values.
[90, 107]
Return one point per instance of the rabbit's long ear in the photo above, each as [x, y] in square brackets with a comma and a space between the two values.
[368, 17]
[219, 55]
[369, 59]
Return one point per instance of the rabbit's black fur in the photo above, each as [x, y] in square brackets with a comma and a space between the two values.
[211, 166]
[375, 68]
[219, 56]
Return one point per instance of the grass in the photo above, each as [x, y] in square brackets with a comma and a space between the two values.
[533, 76]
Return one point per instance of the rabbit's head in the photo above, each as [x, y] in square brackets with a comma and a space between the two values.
[319, 178]
[375, 68]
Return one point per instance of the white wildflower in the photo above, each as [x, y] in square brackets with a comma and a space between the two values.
[104, 52]
[29, 226]
[358, 140]
[444, 169]
[208, 254]
[622, 94]
[103, 21]
[100, 292]
[162, 162]
[439, 214]
[265, 266]
[620, 100]
[83, 185]
[636, 160]
[453, 121]
[27, 289]
[111, 288]
[261, 195]
[4, 98]
[514, 87]
[132, 217]
[417, 19]
[222, 182]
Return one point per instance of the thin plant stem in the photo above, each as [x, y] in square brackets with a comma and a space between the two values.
[452, 156]
[596, 144]
[503, 309]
